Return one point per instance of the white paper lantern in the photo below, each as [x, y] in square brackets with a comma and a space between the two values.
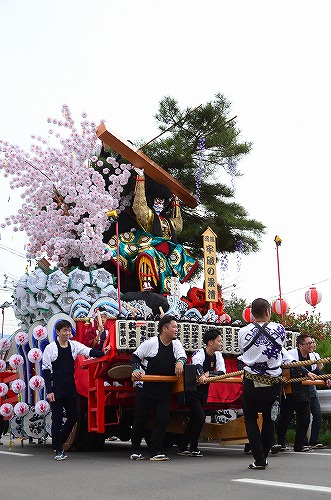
[3, 389]
[35, 355]
[21, 409]
[2, 365]
[16, 360]
[5, 344]
[6, 410]
[39, 332]
[18, 385]
[42, 407]
[21, 338]
[36, 383]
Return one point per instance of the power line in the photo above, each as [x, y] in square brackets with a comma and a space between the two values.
[302, 288]
[12, 251]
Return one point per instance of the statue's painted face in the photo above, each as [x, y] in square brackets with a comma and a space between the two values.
[158, 205]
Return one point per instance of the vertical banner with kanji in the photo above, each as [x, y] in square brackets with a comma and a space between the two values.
[209, 251]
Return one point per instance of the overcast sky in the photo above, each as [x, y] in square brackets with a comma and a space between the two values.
[116, 61]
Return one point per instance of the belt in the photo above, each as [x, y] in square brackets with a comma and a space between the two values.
[263, 379]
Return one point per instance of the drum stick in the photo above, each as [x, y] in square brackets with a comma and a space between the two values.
[99, 319]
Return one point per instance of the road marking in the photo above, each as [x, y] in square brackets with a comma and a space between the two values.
[318, 453]
[296, 486]
[17, 454]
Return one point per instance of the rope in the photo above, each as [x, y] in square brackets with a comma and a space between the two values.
[305, 363]
[293, 364]
[325, 376]
[226, 375]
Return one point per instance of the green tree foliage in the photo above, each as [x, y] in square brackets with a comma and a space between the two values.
[234, 307]
[177, 151]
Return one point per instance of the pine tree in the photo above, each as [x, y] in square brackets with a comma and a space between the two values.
[179, 151]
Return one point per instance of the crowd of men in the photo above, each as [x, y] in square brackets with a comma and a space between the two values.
[262, 344]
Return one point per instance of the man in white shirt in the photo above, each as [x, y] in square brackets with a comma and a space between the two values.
[261, 344]
[299, 399]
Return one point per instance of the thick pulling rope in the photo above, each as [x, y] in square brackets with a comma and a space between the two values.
[264, 379]
[293, 364]
[226, 375]
[325, 376]
[308, 362]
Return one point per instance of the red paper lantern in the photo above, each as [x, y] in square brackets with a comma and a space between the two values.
[225, 318]
[280, 307]
[313, 296]
[247, 315]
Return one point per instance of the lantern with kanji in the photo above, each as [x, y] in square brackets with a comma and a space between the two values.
[15, 361]
[6, 410]
[247, 315]
[280, 307]
[18, 385]
[21, 338]
[35, 355]
[36, 382]
[42, 407]
[21, 409]
[313, 296]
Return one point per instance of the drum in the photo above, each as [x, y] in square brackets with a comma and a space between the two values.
[120, 372]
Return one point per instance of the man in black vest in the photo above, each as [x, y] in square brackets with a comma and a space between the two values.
[208, 362]
[161, 355]
[299, 399]
[58, 371]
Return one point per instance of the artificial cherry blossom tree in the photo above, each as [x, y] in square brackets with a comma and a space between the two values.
[64, 212]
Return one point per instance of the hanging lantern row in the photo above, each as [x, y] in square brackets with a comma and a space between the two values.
[21, 409]
[313, 296]
[279, 307]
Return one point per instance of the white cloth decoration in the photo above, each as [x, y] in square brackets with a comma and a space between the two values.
[66, 299]
[57, 282]
[37, 280]
[78, 279]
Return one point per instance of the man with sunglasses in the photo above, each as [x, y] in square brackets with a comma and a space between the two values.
[299, 400]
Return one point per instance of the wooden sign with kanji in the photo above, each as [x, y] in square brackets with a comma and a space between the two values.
[209, 258]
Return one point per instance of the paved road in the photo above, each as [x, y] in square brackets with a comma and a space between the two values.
[31, 472]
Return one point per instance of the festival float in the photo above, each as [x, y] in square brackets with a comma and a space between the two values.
[102, 218]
